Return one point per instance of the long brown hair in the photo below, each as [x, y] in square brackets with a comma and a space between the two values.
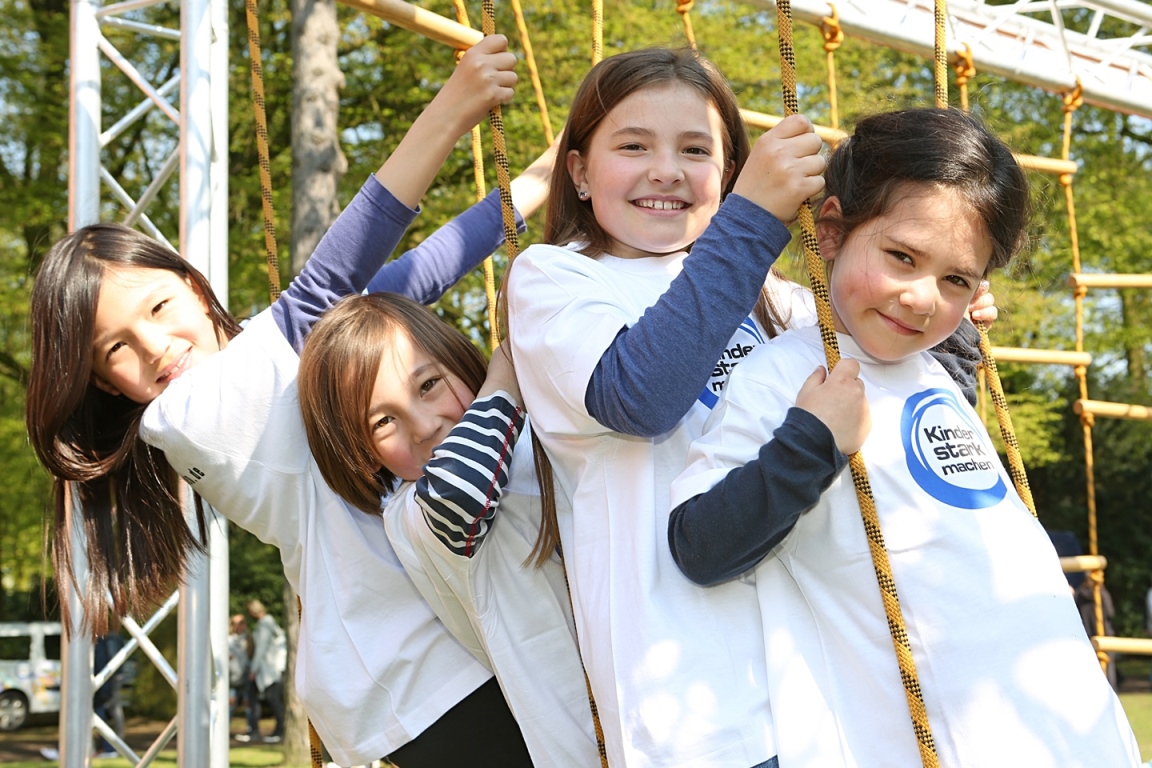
[570, 219]
[130, 510]
[338, 369]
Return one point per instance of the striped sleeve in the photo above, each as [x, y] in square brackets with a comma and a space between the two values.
[461, 485]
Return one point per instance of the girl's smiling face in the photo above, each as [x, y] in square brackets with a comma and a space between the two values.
[415, 404]
[654, 170]
[900, 283]
[151, 326]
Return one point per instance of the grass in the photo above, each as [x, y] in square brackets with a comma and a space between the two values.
[1138, 706]
[238, 757]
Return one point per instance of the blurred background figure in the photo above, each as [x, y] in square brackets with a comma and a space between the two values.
[239, 648]
[267, 661]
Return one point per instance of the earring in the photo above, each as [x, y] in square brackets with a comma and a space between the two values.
[582, 194]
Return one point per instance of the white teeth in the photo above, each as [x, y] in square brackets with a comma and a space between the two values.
[662, 205]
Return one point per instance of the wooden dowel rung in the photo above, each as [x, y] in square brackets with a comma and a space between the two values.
[831, 136]
[415, 19]
[1096, 280]
[1052, 165]
[1137, 645]
[1040, 356]
[1113, 410]
[1081, 563]
[834, 136]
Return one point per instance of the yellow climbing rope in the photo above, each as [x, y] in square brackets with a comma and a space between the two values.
[965, 68]
[833, 36]
[876, 544]
[315, 749]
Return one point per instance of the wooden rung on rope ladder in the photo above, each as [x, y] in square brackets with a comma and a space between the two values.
[1136, 645]
[834, 136]
[1083, 563]
[1113, 410]
[1041, 356]
[1096, 280]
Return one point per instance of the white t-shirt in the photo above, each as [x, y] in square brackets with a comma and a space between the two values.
[514, 617]
[375, 667]
[677, 671]
[1008, 675]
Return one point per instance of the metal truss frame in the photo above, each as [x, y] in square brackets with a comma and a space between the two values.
[198, 150]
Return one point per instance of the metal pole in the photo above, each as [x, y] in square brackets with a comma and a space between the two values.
[83, 208]
[76, 658]
[193, 710]
[218, 277]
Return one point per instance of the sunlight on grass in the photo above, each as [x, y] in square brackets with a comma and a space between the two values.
[238, 757]
[1138, 707]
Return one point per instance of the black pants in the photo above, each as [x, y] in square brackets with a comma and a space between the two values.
[479, 732]
[274, 695]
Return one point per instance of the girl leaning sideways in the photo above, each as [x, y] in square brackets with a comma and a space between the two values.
[139, 376]
[919, 207]
[623, 342]
[385, 389]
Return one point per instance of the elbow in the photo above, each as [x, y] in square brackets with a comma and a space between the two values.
[686, 551]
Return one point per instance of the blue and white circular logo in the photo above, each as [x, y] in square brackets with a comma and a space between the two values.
[946, 452]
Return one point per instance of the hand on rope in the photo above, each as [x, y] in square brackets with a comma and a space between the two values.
[483, 79]
[982, 308]
[784, 169]
[838, 400]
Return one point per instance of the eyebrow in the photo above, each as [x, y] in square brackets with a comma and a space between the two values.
[648, 133]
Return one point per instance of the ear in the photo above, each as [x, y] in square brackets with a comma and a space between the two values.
[827, 235]
[577, 170]
[729, 169]
[104, 386]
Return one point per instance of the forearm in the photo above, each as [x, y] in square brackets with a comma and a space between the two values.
[727, 530]
[350, 253]
[452, 251]
[460, 490]
[648, 378]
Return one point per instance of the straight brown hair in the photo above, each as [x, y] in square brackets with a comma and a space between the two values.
[338, 369]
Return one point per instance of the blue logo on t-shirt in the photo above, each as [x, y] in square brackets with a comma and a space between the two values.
[746, 338]
[946, 452]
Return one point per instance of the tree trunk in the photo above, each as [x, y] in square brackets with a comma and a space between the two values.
[317, 166]
[317, 160]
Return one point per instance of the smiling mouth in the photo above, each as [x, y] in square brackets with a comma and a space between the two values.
[661, 205]
[900, 328]
[174, 369]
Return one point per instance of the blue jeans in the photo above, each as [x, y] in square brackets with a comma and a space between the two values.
[773, 763]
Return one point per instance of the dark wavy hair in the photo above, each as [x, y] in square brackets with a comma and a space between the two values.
[338, 369]
[126, 497]
[931, 147]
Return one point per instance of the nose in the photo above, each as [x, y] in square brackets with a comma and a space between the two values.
[921, 295]
[153, 341]
[665, 167]
[425, 427]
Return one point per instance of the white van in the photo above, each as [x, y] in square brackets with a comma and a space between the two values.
[29, 671]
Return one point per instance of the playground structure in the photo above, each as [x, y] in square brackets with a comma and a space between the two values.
[1005, 40]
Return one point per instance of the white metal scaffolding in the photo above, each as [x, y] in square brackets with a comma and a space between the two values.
[197, 148]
